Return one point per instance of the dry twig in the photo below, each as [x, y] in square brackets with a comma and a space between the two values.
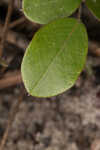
[6, 26]
[17, 22]
[15, 38]
[12, 115]
[10, 79]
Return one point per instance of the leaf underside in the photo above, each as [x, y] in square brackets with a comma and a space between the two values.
[47, 10]
[94, 6]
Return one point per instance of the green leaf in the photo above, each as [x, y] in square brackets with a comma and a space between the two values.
[94, 6]
[44, 11]
[55, 58]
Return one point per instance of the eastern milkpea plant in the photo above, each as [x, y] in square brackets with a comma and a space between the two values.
[57, 53]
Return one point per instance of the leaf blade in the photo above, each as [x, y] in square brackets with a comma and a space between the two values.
[94, 6]
[48, 10]
[50, 78]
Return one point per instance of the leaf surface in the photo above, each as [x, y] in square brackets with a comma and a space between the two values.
[55, 58]
[94, 6]
[44, 11]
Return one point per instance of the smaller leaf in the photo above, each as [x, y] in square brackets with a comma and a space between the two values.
[55, 58]
[94, 6]
[44, 11]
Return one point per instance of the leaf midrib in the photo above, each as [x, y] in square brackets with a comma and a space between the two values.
[52, 60]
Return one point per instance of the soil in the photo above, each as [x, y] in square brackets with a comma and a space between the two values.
[70, 121]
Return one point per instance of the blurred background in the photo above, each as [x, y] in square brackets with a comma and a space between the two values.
[70, 121]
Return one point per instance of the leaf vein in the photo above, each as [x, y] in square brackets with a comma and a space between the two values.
[52, 60]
